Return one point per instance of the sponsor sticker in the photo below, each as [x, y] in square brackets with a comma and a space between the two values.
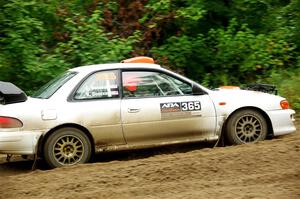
[180, 106]
[106, 76]
[170, 107]
[175, 110]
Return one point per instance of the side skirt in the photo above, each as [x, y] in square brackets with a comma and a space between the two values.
[99, 149]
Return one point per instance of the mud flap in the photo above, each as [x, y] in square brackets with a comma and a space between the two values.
[9, 93]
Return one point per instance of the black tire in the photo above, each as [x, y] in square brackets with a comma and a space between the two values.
[67, 146]
[246, 126]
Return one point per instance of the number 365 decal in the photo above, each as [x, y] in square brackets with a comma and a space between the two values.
[190, 106]
[180, 106]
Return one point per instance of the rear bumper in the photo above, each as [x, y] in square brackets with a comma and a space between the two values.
[282, 121]
[20, 142]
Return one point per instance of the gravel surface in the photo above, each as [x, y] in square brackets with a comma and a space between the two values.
[268, 169]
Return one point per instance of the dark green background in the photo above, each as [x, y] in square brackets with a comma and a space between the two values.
[215, 42]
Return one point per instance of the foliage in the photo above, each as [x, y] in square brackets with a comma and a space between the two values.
[84, 31]
[215, 42]
[233, 56]
[38, 42]
[288, 85]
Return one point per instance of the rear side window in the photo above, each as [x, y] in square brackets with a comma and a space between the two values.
[100, 85]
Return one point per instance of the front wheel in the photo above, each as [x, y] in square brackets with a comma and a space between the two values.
[246, 126]
[67, 146]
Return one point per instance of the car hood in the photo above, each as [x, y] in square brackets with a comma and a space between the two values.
[244, 98]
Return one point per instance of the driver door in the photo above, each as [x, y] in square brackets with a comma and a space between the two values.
[158, 107]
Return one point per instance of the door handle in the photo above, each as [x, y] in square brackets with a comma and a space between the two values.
[133, 110]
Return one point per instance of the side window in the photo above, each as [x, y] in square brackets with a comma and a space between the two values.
[150, 84]
[179, 87]
[99, 85]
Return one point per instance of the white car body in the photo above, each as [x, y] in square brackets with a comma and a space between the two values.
[116, 124]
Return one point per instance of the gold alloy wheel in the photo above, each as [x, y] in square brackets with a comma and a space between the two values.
[68, 150]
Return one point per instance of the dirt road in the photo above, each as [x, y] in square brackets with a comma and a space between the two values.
[269, 169]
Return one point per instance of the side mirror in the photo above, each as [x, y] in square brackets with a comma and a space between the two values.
[197, 90]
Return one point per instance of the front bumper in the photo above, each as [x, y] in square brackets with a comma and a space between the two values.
[20, 142]
[282, 121]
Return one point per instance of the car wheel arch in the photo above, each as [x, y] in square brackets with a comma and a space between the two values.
[70, 125]
[262, 112]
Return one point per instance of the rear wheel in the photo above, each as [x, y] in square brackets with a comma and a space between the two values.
[246, 126]
[67, 146]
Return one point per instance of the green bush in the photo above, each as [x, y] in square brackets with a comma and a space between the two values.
[213, 42]
[288, 85]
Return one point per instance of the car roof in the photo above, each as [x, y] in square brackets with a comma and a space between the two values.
[98, 67]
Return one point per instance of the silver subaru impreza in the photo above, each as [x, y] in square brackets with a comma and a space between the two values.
[129, 105]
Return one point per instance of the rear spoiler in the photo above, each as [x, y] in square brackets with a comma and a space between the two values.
[9, 93]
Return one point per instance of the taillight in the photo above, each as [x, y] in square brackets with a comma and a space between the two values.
[9, 122]
[284, 104]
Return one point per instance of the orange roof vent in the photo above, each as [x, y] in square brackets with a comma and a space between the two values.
[141, 59]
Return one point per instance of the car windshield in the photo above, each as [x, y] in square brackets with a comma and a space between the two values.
[51, 87]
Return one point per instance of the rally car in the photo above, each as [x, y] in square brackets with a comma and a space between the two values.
[130, 105]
